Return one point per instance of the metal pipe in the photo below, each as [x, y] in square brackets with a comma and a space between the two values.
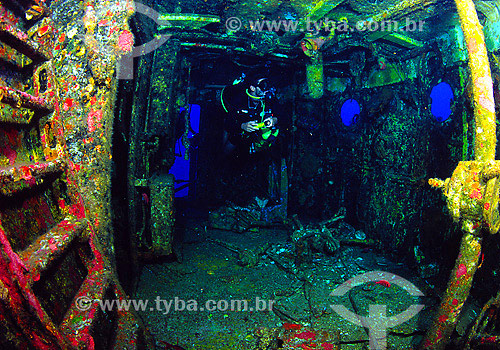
[467, 262]
[456, 292]
[482, 84]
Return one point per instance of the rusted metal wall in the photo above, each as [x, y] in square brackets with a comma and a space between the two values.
[90, 39]
[377, 168]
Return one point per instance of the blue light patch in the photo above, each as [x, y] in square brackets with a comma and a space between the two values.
[441, 96]
[181, 169]
[349, 112]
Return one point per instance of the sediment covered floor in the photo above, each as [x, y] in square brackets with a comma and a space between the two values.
[301, 296]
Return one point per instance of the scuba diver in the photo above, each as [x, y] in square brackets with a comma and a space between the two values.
[249, 122]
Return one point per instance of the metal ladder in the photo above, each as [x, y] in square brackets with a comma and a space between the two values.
[52, 272]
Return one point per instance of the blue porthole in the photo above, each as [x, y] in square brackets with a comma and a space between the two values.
[441, 96]
[349, 112]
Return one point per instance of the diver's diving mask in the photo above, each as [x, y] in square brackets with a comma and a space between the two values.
[265, 87]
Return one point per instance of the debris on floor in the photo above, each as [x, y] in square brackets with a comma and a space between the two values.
[298, 292]
[240, 219]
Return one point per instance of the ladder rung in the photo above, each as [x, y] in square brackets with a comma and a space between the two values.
[19, 99]
[50, 245]
[23, 117]
[26, 4]
[19, 40]
[79, 319]
[41, 9]
[21, 177]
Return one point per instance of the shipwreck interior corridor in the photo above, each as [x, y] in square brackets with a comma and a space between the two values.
[342, 192]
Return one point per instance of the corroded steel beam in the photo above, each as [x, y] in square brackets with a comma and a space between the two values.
[186, 20]
[78, 321]
[37, 325]
[16, 179]
[38, 256]
[20, 99]
[20, 41]
[402, 9]
[322, 8]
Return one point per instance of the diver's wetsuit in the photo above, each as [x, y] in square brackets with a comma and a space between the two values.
[240, 110]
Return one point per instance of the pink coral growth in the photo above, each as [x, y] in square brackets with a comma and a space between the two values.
[487, 103]
[462, 270]
[68, 103]
[94, 119]
[485, 87]
[472, 45]
[90, 122]
[126, 41]
[306, 335]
